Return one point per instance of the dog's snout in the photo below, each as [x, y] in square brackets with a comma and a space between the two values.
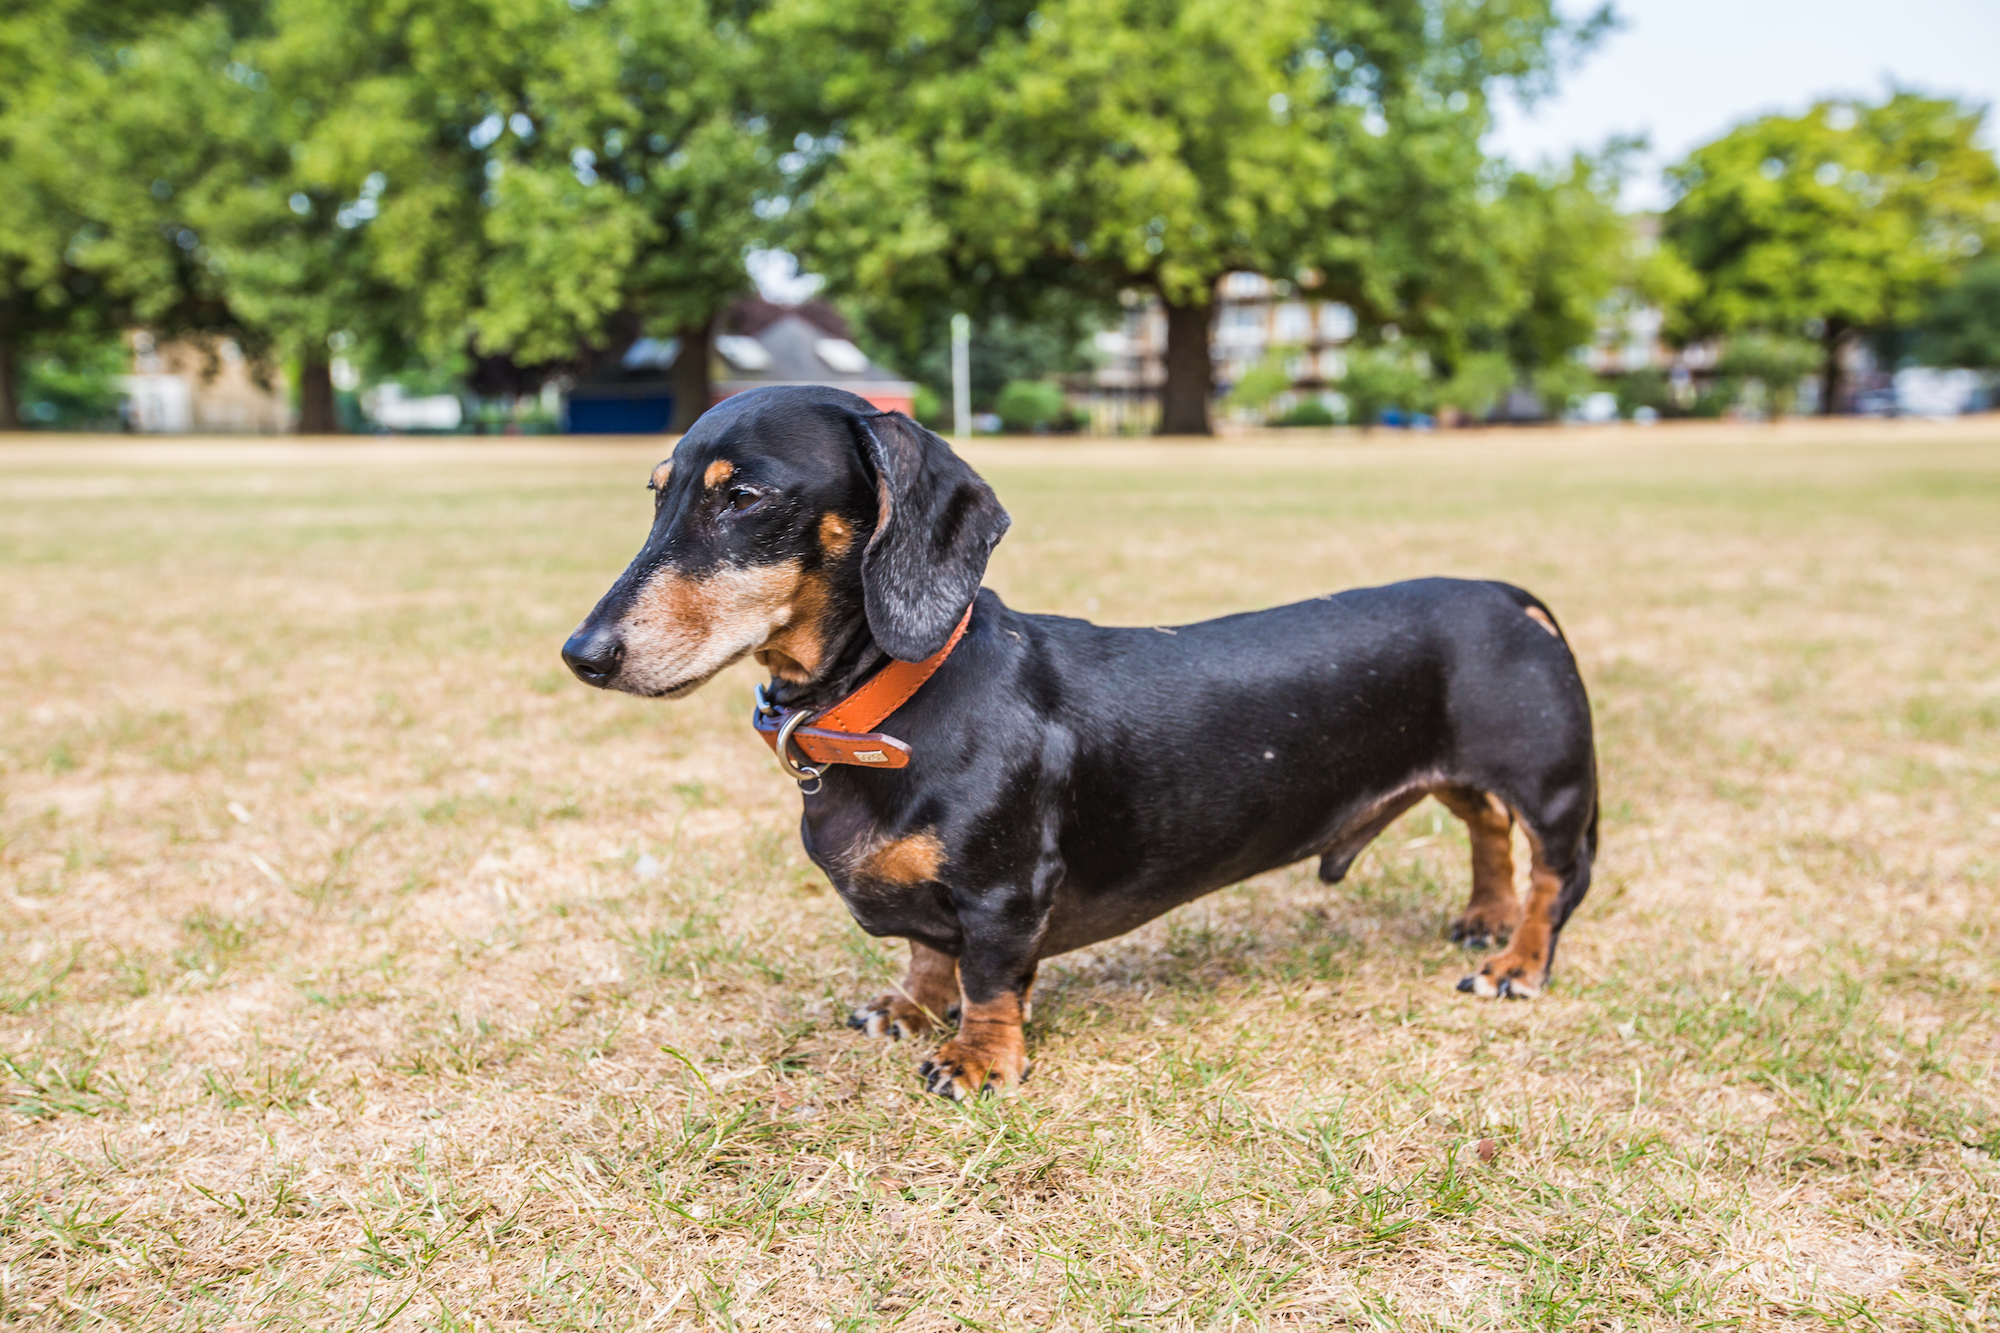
[594, 653]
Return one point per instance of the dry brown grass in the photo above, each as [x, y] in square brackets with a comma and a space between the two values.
[359, 969]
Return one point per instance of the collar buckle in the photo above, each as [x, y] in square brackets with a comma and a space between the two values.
[789, 721]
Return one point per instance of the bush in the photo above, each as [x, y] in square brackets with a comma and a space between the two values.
[1260, 384]
[1564, 384]
[1776, 362]
[71, 383]
[1479, 385]
[1645, 387]
[1030, 405]
[1381, 379]
[1311, 412]
[927, 409]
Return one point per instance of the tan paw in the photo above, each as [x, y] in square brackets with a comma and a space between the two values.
[890, 1016]
[1485, 926]
[961, 1069]
[1506, 978]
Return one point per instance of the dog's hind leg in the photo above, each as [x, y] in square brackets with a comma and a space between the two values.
[1494, 910]
[928, 991]
[1554, 890]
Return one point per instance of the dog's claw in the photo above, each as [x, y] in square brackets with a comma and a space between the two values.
[1467, 983]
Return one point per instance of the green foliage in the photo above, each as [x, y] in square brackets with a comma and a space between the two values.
[1960, 326]
[72, 382]
[1262, 382]
[1775, 362]
[1088, 146]
[1564, 250]
[1645, 387]
[1478, 385]
[1841, 220]
[1055, 340]
[928, 408]
[1311, 412]
[1379, 379]
[1029, 405]
[1561, 385]
[521, 179]
[46, 294]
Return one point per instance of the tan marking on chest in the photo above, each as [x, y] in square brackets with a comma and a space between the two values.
[915, 859]
[660, 475]
[836, 534]
[719, 471]
[1541, 617]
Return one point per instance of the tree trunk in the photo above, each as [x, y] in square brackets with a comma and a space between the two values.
[1832, 380]
[10, 399]
[690, 376]
[1190, 371]
[316, 415]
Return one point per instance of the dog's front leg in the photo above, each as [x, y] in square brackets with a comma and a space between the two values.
[996, 969]
[990, 1050]
[927, 995]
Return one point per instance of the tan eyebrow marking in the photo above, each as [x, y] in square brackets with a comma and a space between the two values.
[660, 475]
[836, 534]
[719, 471]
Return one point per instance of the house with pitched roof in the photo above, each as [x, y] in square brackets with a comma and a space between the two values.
[756, 343]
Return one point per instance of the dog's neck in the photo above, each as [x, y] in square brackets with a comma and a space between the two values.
[850, 658]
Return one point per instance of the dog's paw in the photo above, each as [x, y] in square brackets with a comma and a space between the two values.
[1506, 978]
[1482, 927]
[960, 1070]
[890, 1016]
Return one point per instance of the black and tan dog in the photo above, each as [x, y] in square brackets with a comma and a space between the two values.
[1051, 783]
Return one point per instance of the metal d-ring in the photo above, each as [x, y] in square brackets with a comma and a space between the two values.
[801, 773]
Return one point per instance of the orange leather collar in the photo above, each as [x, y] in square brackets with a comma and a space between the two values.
[845, 733]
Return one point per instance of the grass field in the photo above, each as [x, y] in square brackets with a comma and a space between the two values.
[359, 969]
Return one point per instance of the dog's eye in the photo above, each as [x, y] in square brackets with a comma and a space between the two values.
[741, 497]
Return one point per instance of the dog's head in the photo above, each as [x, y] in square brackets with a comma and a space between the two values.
[788, 522]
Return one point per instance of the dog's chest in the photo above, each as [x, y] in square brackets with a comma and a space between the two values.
[889, 877]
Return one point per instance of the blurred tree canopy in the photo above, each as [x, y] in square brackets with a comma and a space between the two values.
[1961, 324]
[995, 149]
[519, 188]
[1833, 224]
[1563, 249]
[47, 295]
[524, 182]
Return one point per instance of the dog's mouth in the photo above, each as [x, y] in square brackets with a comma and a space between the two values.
[679, 632]
[678, 690]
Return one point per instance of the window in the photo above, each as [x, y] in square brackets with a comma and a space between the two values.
[1336, 322]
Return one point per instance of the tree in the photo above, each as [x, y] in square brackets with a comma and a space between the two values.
[258, 144]
[527, 181]
[1394, 375]
[1832, 224]
[1055, 342]
[628, 172]
[46, 297]
[1961, 324]
[1153, 144]
[1564, 250]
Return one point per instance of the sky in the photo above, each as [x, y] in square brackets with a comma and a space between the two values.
[1682, 72]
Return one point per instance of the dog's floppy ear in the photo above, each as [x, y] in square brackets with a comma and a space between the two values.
[936, 525]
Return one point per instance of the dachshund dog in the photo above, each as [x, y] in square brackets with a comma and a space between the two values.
[1051, 783]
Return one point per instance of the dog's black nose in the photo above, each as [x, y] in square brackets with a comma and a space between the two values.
[594, 653]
